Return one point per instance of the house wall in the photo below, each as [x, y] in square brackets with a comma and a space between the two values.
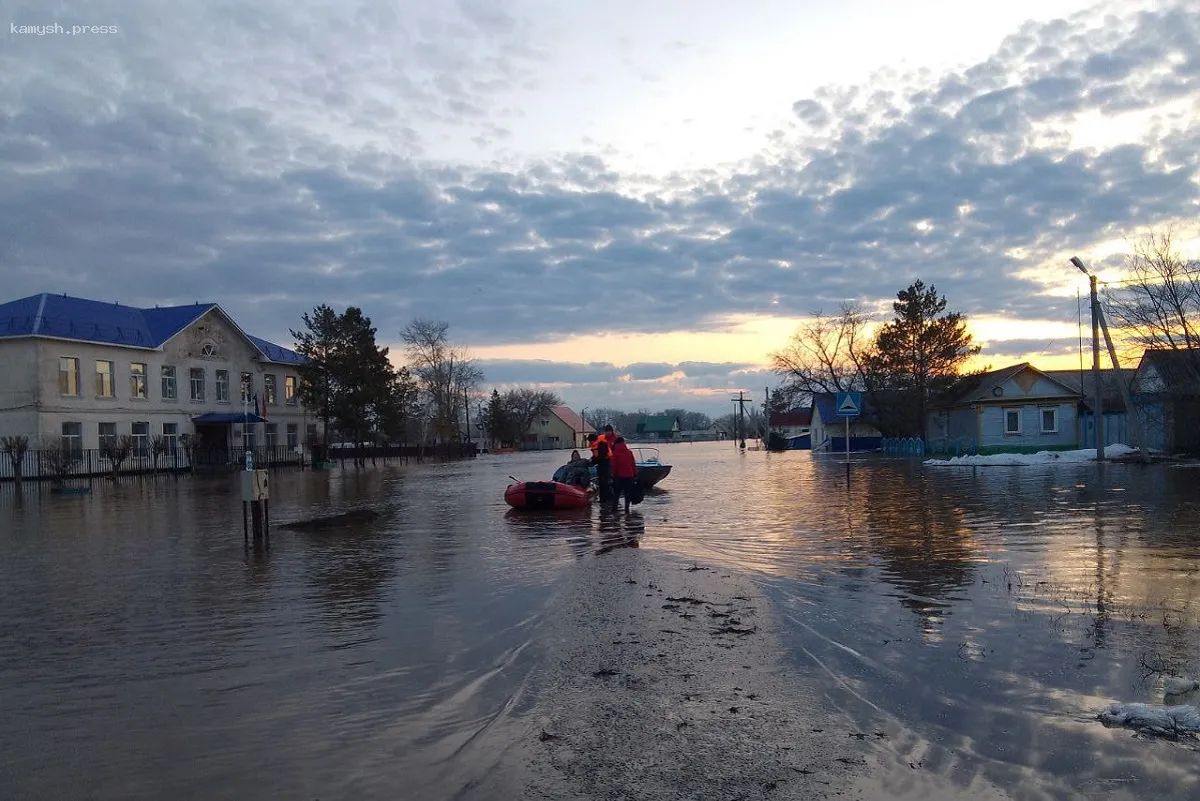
[18, 389]
[550, 432]
[836, 429]
[184, 352]
[992, 433]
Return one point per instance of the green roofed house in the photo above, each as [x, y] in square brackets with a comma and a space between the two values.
[658, 426]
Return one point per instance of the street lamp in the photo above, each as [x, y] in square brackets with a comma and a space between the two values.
[1098, 408]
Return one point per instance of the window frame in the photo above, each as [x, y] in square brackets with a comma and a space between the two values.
[1042, 410]
[270, 389]
[68, 369]
[222, 386]
[101, 384]
[291, 390]
[202, 374]
[138, 388]
[75, 448]
[170, 379]
[1009, 432]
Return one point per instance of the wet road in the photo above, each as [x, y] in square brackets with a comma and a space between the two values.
[956, 628]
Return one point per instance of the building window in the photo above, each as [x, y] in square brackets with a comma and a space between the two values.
[208, 350]
[269, 389]
[137, 380]
[108, 437]
[196, 379]
[272, 435]
[310, 434]
[72, 439]
[140, 434]
[171, 437]
[247, 387]
[1012, 421]
[169, 389]
[1049, 417]
[68, 376]
[104, 379]
[222, 386]
[293, 436]
[289, 390]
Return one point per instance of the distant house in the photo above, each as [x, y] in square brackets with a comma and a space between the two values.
[1015, 408]
[828, 431]
[795, 426]
[658, 426]
[1166, 392]
[558, 428]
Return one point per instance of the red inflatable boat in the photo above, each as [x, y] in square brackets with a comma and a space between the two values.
[545, 495]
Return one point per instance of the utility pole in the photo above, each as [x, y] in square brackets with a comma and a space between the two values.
[1098, 406]
[741, 400]
[1130, 412]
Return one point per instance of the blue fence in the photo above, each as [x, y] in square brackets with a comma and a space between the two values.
[903, 446]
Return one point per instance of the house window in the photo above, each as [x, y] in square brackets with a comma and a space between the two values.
[293, 436]
[272, 435]
[104, 379]
[269, 389]
[72, 439]
[247, 387]
[1012, 421]
[108, 437]
[196, 379]
[289, 390]
[68, 376]
[222, 386]
[208, 350]
[171, 437]
[1049, 417]
[137, 380]
[310, 434]
[140, 433]
[169, 390]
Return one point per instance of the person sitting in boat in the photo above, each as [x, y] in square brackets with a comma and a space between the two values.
[576, 472]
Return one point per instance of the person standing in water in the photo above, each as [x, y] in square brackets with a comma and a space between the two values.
[602, 458]
[624, 473]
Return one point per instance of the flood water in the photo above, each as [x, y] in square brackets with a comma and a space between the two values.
[973, 620]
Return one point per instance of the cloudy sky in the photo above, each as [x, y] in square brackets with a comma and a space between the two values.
[631, 203]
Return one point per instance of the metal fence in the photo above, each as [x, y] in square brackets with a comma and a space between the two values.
[902, 446]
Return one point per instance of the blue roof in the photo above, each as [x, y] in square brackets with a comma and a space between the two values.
[47, 315]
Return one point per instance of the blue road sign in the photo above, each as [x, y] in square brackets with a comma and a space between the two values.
[849, 404]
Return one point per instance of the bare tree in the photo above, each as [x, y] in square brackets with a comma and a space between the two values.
[1158, 307]
[825, 354]
[444, 372]
[15, 447]
[59, 459]
[117, 451]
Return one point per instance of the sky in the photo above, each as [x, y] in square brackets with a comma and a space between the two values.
[633, 205]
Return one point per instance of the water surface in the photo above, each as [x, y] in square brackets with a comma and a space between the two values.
[976, 619]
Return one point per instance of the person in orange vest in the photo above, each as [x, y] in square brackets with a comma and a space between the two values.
[602, 458]
[624, 472]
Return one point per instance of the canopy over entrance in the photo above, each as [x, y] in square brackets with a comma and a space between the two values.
[227, 417]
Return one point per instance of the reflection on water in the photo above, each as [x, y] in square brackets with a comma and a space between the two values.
[976, 618]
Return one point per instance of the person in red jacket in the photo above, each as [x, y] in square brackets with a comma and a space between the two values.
[624, 472]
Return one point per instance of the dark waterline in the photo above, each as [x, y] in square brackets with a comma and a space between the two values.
[976, 618]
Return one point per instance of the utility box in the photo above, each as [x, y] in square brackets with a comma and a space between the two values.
[254, 485]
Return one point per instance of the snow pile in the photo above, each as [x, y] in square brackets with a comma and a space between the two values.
[1041, 457]
[1165, 721]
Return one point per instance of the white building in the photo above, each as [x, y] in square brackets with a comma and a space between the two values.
[87, 372]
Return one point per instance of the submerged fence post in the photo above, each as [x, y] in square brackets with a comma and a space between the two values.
[254, 498]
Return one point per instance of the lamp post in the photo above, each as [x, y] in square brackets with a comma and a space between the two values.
[1098, 408]
[583, 434]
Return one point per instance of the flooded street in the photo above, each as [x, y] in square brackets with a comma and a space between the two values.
[916, 632]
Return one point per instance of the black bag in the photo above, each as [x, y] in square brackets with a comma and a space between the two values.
[636, 493]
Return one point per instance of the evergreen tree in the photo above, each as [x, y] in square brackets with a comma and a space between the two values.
[918, 356]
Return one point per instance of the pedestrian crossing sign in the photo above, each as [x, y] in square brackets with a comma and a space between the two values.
[849, 404]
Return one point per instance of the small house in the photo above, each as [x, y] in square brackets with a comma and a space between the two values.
[828, 431]
[658, 426]
[1017, 408]
[559, 428]
[795, 426]
[1166, 393]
